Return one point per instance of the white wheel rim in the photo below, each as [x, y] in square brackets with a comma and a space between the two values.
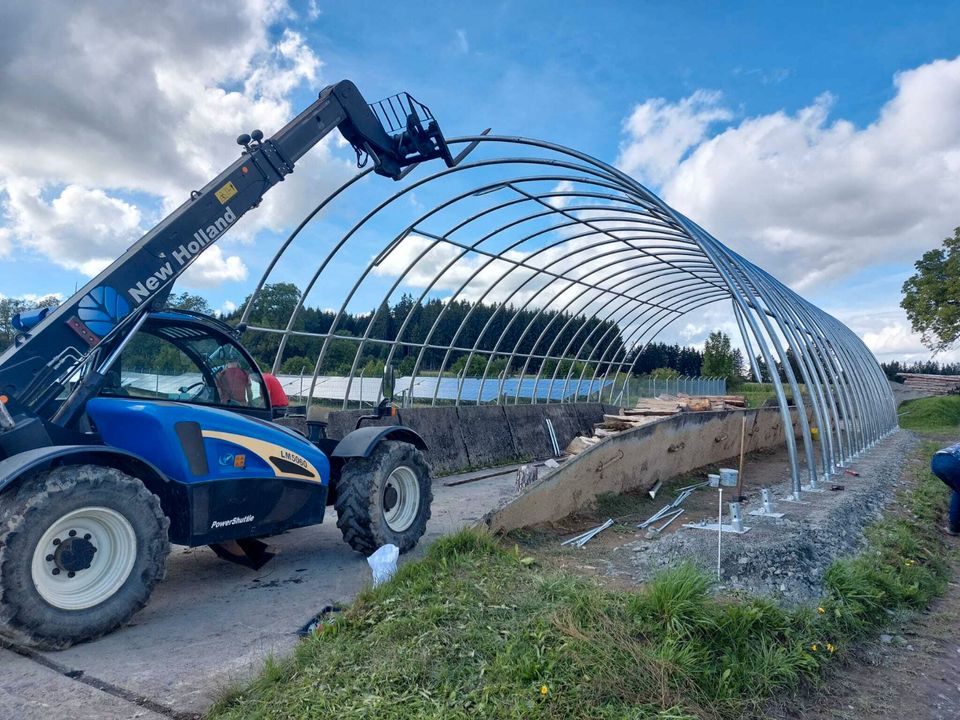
[404, 511]
[76, 589]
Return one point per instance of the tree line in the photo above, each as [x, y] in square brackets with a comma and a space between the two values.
[439, 324]
[598, 343]
[929, 367]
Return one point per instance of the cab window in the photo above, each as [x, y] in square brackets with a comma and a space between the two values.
[186, 364]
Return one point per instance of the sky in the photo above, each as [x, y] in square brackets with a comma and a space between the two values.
[820, 141]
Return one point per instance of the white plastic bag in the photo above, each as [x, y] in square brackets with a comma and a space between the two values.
[383, 563]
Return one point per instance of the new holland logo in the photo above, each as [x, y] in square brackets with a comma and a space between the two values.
[182, 255]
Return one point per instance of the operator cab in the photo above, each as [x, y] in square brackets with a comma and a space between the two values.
[186, 357]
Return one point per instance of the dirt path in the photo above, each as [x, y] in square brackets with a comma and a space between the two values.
[912, 673]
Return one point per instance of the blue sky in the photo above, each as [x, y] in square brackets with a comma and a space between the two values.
[94, 156]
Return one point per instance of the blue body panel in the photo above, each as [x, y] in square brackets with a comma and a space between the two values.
[237, 476]
[148, 428]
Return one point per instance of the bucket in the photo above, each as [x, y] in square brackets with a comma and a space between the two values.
[714, 480]
[728, 477]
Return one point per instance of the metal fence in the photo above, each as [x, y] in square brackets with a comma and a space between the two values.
[646, 386]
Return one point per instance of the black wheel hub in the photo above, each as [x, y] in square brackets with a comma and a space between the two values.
[74, 554]
[390, 497]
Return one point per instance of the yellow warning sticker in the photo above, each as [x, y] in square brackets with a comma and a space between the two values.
[226, 192]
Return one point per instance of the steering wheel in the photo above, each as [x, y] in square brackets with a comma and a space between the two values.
[200, 384]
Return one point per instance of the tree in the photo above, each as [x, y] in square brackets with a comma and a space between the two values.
[186, 301]
[664, 373]
[739, 364]
[274, 305]
[478, 364]
[931, 297]
[717, 356]
[296, 365]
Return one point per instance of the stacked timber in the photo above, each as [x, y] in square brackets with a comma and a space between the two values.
[932, 384]
[650, 410]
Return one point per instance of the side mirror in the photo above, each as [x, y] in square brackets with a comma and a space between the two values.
[388, 383]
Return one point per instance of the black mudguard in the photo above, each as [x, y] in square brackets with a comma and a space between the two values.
[361, 442]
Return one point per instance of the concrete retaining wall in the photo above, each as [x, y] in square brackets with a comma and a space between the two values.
[637, 459]
[471, 436]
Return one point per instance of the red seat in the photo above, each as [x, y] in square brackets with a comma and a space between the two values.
[278, 398]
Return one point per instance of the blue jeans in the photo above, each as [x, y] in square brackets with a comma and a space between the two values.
[947, 467]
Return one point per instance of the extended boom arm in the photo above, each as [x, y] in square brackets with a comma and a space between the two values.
[145, 273]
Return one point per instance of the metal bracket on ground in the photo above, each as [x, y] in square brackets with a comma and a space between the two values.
[735, 525]
[766, 510]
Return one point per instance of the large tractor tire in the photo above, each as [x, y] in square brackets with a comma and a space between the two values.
[81, 549]
[385, 498]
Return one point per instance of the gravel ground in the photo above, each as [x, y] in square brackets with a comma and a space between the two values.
[785, 559]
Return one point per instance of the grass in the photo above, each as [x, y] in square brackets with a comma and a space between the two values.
[478, 630]
[941, 412]
[756, 394]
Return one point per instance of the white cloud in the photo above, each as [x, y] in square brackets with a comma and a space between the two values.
[886, 331]
[812, 198]
[6, 241]
[809, 197]
[213, 268]
[463, 45]
[660, 133]
[82, 229]
[33, 297]
[227, 307]
[115, 96]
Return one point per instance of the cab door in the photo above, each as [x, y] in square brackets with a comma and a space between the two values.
[188, 362]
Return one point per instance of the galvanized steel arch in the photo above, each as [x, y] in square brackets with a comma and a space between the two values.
[603, 266]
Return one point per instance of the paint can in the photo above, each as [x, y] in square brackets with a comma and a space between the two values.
[728, 477]
[714, 480]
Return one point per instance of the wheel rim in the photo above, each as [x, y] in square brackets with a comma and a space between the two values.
[401, 498]
[84, 558]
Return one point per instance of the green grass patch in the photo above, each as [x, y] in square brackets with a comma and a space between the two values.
[931, 413]
[479, 630]
[756, 394]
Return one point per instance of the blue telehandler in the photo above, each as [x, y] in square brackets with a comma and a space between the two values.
[125, 426]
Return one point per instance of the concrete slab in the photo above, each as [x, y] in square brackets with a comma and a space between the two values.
[440, 429]
[529, 431]
[30, 691]
[487, 436]
[210, 623]
[588, 414]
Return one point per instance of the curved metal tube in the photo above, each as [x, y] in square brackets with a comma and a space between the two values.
[575, 266]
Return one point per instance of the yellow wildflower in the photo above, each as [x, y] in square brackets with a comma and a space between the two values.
[821, 610]
[830, 647]
[814, 647]
[544, 690]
